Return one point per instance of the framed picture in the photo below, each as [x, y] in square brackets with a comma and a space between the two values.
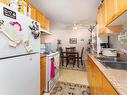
[73, 40]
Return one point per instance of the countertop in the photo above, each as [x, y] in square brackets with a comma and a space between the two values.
[48, 55]
[42, 55]
[118, 78]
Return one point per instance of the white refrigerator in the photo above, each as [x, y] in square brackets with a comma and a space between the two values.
[19, 70]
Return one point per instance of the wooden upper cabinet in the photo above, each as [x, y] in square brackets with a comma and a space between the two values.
[27, 1]
[33, 12]
[103, 18]
[111, 10]
[101, 21]
[47, 24]
[39, 17]
[121, 6]
[7, 2]
[43, 21]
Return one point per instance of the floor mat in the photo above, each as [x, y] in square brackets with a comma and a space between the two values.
[64, 88]
[70, 67]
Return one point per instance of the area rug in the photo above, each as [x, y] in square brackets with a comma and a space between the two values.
[64, 88]
[70, 67]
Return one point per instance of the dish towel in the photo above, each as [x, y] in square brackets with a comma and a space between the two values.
[52, 71]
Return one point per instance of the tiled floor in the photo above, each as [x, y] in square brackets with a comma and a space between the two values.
[73, 76]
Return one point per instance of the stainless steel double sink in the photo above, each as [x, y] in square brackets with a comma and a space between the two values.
[113, 62]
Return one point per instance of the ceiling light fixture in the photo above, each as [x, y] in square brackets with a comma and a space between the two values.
[75, 27]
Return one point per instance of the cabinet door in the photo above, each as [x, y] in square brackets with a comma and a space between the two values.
[48, 25]
[121, 6]
[7, 2]
[111, 10]
[43, 21]
[101, 21]
[38, 17]
[33, 12]
[42, 74]
[98, 81]
[90, 75]
[103, 24]
[92, 78]
[107, 88]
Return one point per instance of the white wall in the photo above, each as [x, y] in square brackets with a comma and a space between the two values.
[101, 39]
[115, 43]
[65, 35]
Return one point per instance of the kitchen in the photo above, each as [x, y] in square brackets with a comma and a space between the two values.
[63, 47]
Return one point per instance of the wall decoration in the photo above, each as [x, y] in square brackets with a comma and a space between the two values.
[73, 40]
[9, 13]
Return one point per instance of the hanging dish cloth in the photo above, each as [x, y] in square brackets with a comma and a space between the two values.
[52, 71]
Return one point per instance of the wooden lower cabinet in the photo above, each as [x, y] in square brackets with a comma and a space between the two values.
[107, 88]
[99, 85]
[42, 74]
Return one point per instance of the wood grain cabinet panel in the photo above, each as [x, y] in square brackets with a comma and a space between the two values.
[103, 23]
[111, 10]
[7, 2]
[121, 6]
[99, 85]
[33, 11]
[39, 18]
[107, 88]
[46, 23]
[98, 81]
[42, 74]
[101, 20]
[43, 21]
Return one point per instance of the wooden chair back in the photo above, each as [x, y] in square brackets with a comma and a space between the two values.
[82, 52]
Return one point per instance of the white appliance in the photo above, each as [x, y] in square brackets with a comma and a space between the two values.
[109, 52]
[19, 70]
[51, 82]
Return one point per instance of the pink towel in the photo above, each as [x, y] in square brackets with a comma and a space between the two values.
[52, 72]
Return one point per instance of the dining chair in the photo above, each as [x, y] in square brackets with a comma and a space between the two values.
[70, 56]
[62, 56]
[80, 58]
[70, 49]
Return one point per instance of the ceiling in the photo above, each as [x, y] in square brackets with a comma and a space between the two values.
[69, 11]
